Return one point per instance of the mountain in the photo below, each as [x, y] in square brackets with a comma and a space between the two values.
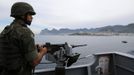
[118, 28]
[62, 31]
[106, 29]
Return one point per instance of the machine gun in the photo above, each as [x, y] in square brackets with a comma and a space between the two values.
[62, 55]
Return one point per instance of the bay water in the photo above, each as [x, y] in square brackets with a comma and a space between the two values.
[95, 44]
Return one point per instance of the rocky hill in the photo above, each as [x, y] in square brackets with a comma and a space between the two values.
[106, 29]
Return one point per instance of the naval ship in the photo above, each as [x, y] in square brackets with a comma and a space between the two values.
[108, 63]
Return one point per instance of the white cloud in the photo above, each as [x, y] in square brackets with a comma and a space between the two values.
[74, 13]
[68, 11]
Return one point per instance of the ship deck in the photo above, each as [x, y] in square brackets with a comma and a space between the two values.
[119, 64]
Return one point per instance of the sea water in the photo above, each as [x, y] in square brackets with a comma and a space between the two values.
[95, 44]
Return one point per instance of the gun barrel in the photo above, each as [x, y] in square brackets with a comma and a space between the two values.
[73, 46]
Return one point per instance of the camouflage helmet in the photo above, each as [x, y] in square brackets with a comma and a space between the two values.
[21, 8]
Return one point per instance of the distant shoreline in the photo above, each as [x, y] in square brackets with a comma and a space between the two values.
[103, 34]
[116, 30]
[92, 34]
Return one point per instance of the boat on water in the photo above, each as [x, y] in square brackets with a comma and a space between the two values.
[109, 63]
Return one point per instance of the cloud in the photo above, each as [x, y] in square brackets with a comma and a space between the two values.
[75, 13]
[72, 11]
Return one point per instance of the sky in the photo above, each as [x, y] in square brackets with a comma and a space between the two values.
[72, 14]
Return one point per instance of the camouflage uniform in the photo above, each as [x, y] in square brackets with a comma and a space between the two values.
[23, 38]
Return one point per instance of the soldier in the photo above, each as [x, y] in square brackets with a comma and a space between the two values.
[18, 53]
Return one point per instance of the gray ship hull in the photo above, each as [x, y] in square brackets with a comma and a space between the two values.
[112, 63]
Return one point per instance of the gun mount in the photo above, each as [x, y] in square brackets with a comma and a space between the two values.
[62, 55]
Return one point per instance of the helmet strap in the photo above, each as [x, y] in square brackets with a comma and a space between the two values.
[24, 18]
[26, 21]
